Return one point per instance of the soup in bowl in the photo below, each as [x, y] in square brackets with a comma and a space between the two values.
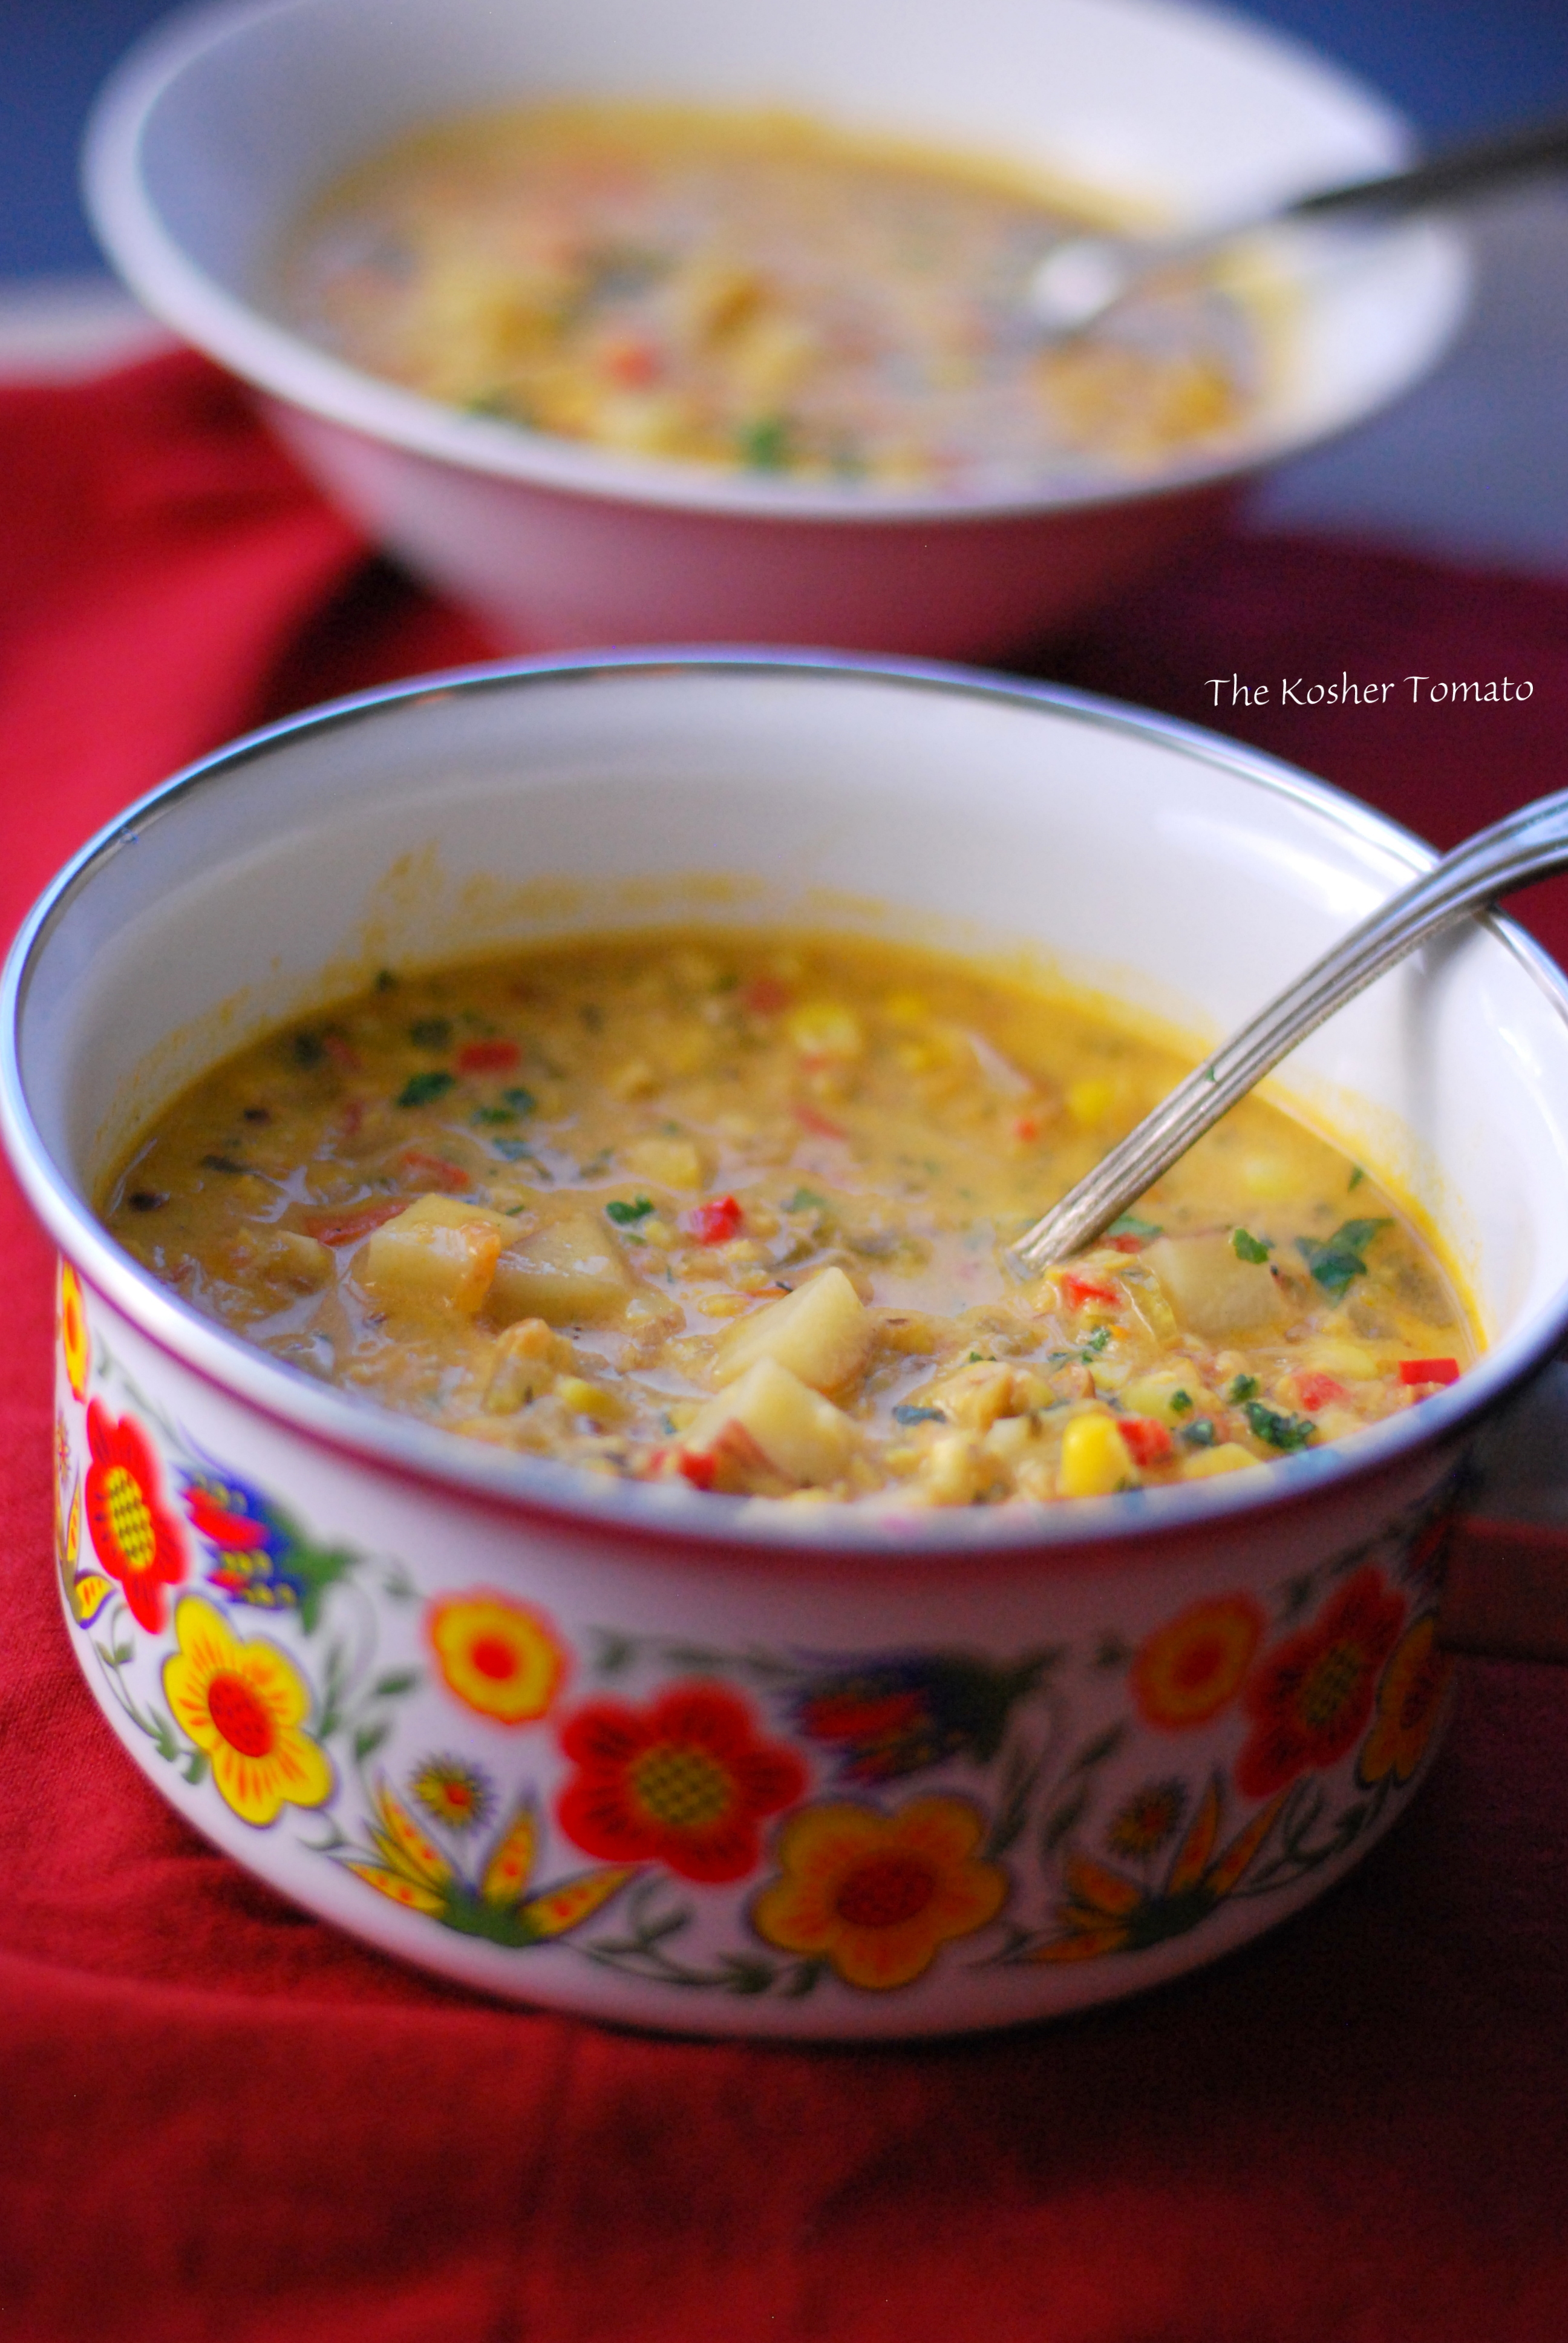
[999, 1719]
[705, 326]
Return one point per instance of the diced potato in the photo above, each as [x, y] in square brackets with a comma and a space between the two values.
[955, 1470]
[527, 1360]
[440, 1254]
[1009, 1438]
[806, 1440]
[1172, 1394]
[821, 1332]
[975, 1396]
[566, 1271]
[671, 1163]
[1230, 1456]
[1094, 1458]
[1328, 1354]
[1212, 1290]
[283, 1258]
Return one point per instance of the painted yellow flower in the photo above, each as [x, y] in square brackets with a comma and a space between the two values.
[877, 1895]
[75, 1348]
[498, 1657]
[241, 1700]
[1408, 1703]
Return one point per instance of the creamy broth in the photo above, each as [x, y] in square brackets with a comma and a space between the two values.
[755, 291]
[734, 1209]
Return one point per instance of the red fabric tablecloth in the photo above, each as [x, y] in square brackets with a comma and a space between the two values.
[219, 2118]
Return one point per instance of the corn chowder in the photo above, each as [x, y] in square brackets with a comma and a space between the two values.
[755, 291]
[735, 1210]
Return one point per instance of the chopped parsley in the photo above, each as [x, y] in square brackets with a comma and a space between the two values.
[1357, 1176]
[1247, 1247]
[1200, 1434]
[1242, 1387]
[1095, 1344]
[1280, 1431]
[909, 1413]
[804, 1199]
[493, 1114]
[430, 1032]
[765, 444]
[420, 1088]
[520, 1101]
[1181, 1401]
[1130, 1225]
[625, 1215]
[1335, 1261]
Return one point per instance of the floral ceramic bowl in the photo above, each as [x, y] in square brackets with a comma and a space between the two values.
[223, 124]
[677, 1759]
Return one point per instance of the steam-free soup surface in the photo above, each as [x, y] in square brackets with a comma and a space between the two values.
[734, 1209]
[754, 292]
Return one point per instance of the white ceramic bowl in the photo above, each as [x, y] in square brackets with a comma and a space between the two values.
[972, 1766]
[218, 129]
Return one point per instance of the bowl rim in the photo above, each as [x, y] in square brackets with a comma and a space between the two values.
[658, 1515]
[290, 368]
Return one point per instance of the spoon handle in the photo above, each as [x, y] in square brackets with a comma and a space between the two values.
[1483, 163]
[1530, 844]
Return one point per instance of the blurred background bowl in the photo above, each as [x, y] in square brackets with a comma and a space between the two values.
[219, 128]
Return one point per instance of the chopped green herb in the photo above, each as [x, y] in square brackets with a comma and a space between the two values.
[804, 1199]
[309, 1049]
[492, 1115]
[627, 1216]
[1198, 1434]
[1096, 1343]
[909, 1413]
[1130, 1225]
[1247, 1247]
[1242, 1387]
[430, 1032]
[1335, 1261]
[420, 1088]
[765, 444]
[1357, 1176]
[1181, 1401]
[385, 980]
[1280, 1431]
[515, 1151]
[520, 1101]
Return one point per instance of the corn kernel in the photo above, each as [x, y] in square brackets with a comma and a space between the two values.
[1094, 1459]
[585, 1398]
[1090, 1100]
[724, 1305]
[825, 1029]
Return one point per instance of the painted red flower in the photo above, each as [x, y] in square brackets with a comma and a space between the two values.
[684, 1782]
[135, 1538]
[1311, 1695]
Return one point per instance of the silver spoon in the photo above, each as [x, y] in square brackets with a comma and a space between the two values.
[1530, 844]
[1078, 282]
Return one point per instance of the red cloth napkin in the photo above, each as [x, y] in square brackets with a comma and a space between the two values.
[221, 2119]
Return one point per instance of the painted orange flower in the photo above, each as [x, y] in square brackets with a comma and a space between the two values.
[1312, 1694]
[1187, 1671]
[685, 1782]
[242, 1700]
[877, 1895]
[1409, 1704]
[500, 1657]
[75, 1347]
[136, 1541]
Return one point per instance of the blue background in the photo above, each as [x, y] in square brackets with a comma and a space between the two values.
[1452, 64]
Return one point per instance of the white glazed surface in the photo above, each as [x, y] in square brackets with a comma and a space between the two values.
[217, 131]
[995, 1670]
